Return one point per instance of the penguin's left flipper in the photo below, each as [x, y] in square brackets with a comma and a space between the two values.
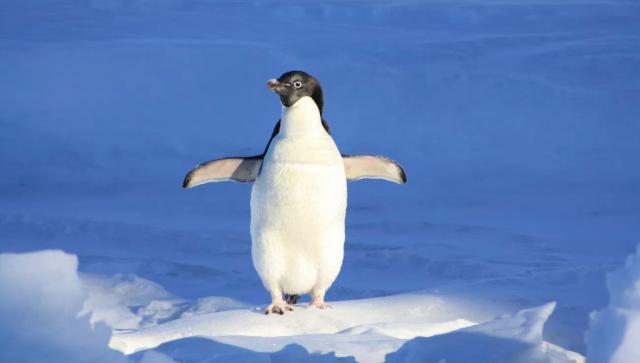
[359, 167]
[235, 168]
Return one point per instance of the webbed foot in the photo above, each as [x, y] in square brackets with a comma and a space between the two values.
[278, 307]
[318, 301]
[323, 306]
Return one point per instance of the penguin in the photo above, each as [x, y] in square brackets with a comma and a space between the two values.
[299, 195]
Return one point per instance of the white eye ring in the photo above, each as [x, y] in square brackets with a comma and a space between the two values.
[297, 84]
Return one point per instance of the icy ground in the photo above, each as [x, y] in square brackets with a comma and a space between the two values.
[517, 123]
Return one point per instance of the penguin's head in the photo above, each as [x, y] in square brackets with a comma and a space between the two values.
[294, 85]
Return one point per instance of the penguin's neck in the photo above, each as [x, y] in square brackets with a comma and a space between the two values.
[301, 119]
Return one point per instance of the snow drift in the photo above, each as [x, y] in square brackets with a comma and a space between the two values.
[614, 336]
[41, 298]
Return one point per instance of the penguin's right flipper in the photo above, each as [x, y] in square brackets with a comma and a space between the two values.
[359, 167]
[235, 168]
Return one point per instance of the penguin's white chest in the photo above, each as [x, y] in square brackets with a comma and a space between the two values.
[298, 206]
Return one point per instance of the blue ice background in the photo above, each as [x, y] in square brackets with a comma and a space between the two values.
[517, 122]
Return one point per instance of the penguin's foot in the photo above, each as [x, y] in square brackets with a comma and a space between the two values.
[320, 304]
[278, 307]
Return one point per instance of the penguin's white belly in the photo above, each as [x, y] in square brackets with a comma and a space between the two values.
[298, 206]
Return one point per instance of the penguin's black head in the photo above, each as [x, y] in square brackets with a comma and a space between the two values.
[294, 85]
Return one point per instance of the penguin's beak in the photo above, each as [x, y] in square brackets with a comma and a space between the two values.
[277, 87]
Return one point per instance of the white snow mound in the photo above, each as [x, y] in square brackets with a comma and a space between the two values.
[40, 298]
[614, 334]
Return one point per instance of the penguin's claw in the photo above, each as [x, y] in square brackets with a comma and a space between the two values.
[278, 308]
[321, 305]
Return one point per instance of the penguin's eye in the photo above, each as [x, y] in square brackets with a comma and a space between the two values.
[297, 84]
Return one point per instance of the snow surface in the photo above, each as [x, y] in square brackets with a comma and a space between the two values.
[366, 330]
[615, 330]
[45, 292]
[516, 121]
